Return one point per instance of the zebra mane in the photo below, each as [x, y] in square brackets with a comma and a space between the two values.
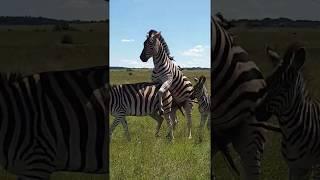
[163, 42]
[10, 77]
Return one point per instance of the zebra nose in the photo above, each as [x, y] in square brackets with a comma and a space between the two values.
[143, 58]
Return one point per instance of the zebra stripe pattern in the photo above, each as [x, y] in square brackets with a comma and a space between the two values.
[298, 113]
[49, 124]
[238, 87]
[166, 73]
[201, 94]
[138, 99]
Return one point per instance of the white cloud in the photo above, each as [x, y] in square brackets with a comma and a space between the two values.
[127, 40]
[196, 51]
[197, 56]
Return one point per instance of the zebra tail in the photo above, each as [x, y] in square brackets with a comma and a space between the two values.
[227, 157]
[267, 126]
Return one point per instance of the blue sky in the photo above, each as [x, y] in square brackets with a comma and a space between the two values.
[185, 25]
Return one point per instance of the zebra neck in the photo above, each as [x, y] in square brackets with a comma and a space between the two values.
[161, 59]
[302, 114]
[203, 100]
[222, 47]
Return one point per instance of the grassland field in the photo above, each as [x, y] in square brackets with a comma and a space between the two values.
[25, 49]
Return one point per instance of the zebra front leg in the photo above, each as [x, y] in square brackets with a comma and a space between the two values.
[204, 117]
[188, 110]
[164, 87]
[159, 120]
[249, 143]
[299, 174]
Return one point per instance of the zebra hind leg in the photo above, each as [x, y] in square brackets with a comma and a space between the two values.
[114, 124]
[159, 120]
[126, 129]
[170, 126]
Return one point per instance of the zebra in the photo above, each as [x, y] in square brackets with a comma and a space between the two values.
[288, 99]
[49, 123]
[139, 99]
[238, 87]
[201, 94]
[166, 73]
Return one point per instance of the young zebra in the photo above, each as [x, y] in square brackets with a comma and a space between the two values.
[298, 113]
[138, 99]
[201, 94]
[238, 87]
[48, 123]
[166, 73]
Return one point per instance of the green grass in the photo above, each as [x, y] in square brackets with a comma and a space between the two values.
[27, 51]
[148, 157]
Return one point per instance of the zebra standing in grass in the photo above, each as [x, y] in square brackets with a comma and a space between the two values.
[201, 94]
[138, 99]
[238, 87]
[166, 73]
[50, 123]
[298, 113]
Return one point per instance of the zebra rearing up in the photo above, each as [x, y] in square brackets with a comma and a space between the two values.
[238, 87]
[166, 73]
[298, 113]
[48, 123]
[201, 94]
[138, 99]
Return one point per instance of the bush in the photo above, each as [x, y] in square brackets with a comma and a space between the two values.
[67, 39]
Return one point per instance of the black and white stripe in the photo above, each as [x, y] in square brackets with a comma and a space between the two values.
[138, 99]
[238, 86]
[48, 123]
[298, 113]
[201, 94]
[168, 74]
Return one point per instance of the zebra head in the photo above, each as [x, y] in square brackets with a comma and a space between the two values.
[151, 45]
[199, 88]
[285, 84]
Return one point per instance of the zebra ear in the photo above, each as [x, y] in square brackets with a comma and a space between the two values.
[157, 35]
[299, 58]
[196, 79]
[203, 79]
[273, 56]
